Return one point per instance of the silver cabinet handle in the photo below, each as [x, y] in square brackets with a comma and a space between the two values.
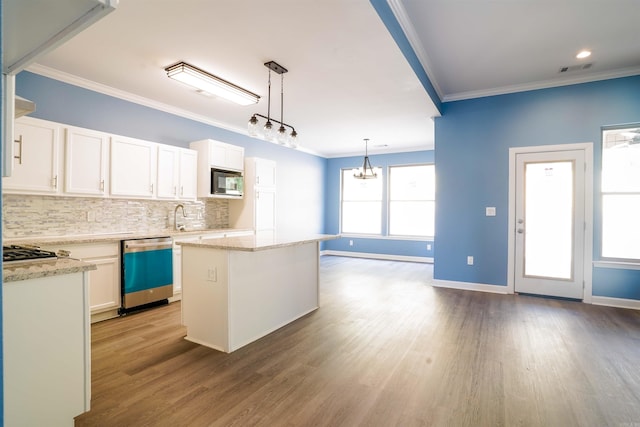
[102, 185]
[182, 190]
[19, 156]
[151, 188]
[55, 181]
[175, 190]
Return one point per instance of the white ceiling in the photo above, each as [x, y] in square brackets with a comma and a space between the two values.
[347, 78]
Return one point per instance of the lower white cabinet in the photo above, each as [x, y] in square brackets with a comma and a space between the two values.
[46, 350]
[104, 283]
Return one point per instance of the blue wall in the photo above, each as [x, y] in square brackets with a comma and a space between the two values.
[300, 175]
[386, 246]
[473, 138]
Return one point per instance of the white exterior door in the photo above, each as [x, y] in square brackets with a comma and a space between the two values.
[550, 223]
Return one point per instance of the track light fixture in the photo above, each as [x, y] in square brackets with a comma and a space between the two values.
[268, 131]
[207, 83]
[366, 171]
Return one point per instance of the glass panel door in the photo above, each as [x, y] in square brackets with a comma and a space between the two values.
[550, 223]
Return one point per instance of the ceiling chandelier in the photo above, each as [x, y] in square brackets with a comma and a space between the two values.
[268, 131]
[366, 171]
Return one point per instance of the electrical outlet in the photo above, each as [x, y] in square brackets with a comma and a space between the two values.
[212, 275]
[428, 246]
[91, 216]
[469, 260]
[350, 242]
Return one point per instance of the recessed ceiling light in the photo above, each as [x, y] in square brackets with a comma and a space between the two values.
[583, 54]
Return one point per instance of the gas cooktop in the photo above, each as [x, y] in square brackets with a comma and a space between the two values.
[14, 253]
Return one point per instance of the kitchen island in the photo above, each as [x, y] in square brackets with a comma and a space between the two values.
[236, 290]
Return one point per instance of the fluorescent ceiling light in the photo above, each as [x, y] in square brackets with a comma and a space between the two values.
[583, 54]
[209, 84]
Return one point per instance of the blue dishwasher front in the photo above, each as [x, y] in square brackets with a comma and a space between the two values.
[147, 272]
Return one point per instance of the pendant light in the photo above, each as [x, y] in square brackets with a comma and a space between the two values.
[268, 131]
[366, 171]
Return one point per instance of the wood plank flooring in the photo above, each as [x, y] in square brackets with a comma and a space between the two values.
[384, 349]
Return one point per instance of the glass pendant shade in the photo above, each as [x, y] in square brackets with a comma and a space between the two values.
[268, 131]
[252, 126]
[283, 138]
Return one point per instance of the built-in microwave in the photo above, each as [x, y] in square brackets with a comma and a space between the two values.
[226, 183]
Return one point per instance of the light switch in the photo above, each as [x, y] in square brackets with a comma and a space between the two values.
[490, 211]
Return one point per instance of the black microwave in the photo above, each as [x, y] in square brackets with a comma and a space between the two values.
[226, 183]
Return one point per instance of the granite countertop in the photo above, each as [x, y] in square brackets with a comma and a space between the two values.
[259, 241]
[111, 237]
[38, 269]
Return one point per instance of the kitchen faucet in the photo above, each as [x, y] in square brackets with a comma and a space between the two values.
[179, 227]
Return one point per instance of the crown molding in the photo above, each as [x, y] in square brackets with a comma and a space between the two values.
[405, 23]
[545, 84]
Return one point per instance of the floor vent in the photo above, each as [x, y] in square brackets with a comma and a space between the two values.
[567, 69]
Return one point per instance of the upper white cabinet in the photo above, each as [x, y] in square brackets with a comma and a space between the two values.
[133, 166]
[86, 154]
[36, 158]
[220, 155]
[177, 173]
[215, 155]
[257, 210]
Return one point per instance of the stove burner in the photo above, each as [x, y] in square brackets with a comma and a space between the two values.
[14, 253]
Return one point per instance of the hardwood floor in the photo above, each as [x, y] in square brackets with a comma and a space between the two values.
[384, 349]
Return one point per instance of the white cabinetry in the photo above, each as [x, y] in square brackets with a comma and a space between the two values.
[104, 283]
[177, 173]
[46, 350]
[36, 162]
[257, 210]
[215, 155]
[133, 166]
[86, 153]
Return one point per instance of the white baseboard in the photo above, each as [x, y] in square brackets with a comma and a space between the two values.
[427, 260]
[495, 289]
[616, 302]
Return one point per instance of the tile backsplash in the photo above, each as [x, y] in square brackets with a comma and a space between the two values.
[27, 215]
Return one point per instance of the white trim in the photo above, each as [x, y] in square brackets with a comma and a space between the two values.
[405, 23]
[467, 286]
[617, 302]
[140, 100]
[587, 147]
[544, 84]
[617, 265]
[387, 257]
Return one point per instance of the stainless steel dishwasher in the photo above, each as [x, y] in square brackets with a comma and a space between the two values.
[147, 273]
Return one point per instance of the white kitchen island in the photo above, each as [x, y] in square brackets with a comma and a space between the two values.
[236, 290]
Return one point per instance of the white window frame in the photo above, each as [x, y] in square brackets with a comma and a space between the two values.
[390, 200]
[347, 171]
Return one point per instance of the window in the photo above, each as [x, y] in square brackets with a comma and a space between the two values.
[361, 203]
[621, 194]
[412, 200]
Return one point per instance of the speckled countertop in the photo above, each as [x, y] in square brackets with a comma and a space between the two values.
[259, 241]
[37, 269]
[110, 237]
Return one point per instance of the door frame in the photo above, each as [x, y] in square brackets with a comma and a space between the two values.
[587, 148]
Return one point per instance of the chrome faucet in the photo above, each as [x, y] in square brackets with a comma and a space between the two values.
[179, 227]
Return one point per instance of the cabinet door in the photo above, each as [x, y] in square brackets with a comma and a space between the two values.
[168, 169]
[132, 167]
[265, 173]
[35, 163]
[234, 158]
[85, 162]
[265, 214]
[188, 174]
[104, 284]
